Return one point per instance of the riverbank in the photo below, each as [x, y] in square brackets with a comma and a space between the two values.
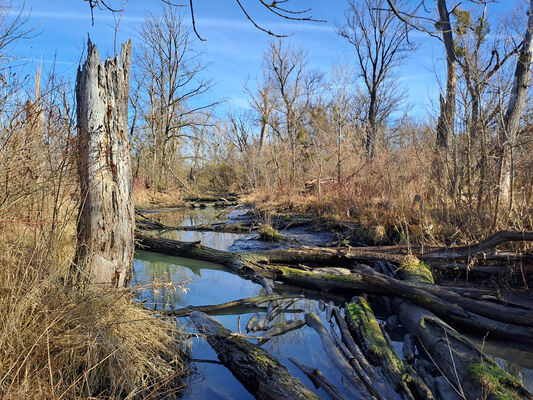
[59, 341]
[289, 277]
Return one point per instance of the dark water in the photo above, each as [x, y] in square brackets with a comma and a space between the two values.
[204, 283]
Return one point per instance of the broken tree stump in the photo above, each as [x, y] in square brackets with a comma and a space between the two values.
[106, 223]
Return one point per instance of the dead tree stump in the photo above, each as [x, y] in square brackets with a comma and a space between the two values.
[106, 221]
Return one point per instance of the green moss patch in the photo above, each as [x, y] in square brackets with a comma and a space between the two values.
[269, 234]
[361, 315]
[495, 380]
[414, 270]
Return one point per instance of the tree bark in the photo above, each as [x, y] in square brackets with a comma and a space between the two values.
[447, 104]
[106, 222]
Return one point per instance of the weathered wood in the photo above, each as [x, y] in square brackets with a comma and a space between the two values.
[472, 374]
[281, 328]
[246, 302]
[353, 382]
[104, 252]
[260, 373]
[363, 325]
[319, 380]
[361, 278]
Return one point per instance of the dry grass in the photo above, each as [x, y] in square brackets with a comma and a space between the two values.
[395, 198]
[60, 342]
[151, 198]
[57, 342]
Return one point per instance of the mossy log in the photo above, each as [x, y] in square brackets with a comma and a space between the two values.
[472, 374]
[468, 371]
[260, 373]
[485, 317]
[363, 325]
[352, 378]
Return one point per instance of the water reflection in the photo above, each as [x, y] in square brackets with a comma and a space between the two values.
[209, 283]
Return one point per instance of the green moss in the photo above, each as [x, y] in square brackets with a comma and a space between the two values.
[294, 271]
[495, 380]
[269, 234]
[419, 299]
[416, 271]
[339, 278]
[362, 315]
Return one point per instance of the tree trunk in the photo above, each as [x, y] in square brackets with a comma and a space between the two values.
[447, 104]
[106, 222]
[371, 126]
[511, 123]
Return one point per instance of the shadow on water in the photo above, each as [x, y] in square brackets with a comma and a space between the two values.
[204, 283]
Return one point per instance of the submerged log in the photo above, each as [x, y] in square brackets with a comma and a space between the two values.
[260, 373]
[353, 382]
[319, 380]
[246, 302]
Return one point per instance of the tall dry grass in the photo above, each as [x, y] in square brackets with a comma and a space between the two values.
[56, 341]
[405, 195]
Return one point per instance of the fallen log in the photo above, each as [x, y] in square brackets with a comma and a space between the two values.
[361, 278]
[246, 302]
[363, 325]
[279, 329]
[472, 374]
[465, 368]
[240, 263]
[260, 373]
[355, 385]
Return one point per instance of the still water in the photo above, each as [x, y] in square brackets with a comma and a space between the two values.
[203, 283]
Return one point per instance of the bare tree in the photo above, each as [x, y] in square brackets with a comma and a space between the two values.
[169, 73]
[341, 94]
[293, 89]
[510, 122]
[380, 43]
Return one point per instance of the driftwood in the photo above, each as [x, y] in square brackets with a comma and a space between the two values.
[319, 380]
[260, 373]
[363, 325]
[246, 302]
[353, 383]
[279, 329]
[485, 317]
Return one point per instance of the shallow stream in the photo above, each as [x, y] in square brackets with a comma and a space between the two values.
[203, 283]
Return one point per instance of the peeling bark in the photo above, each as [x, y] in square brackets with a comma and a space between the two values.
[106, 223]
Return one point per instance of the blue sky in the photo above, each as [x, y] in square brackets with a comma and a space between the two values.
[233, 48]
